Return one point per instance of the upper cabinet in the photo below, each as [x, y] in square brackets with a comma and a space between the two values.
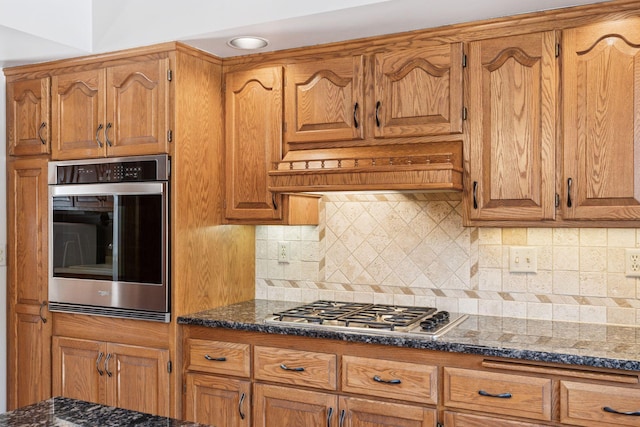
[324, 100]
[601, 96]
[253, 107]
[512, 103]
[389, 119]
[28, 123]
[116, 111]
[418, 92]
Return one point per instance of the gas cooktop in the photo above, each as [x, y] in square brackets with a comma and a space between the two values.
[369, 318]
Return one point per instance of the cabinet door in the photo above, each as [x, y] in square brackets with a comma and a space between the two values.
[253, 142]
[78, 369]
[28, 331]
[137, 108]
[418, 92]
[217, 401]
[28, 127]
[137, 378]
[324, 100]
[78, 116]
[285, 407]
[372, 413]
[601, 98]
[512, 110]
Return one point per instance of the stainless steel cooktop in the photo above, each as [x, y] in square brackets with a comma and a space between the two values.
[369, 318]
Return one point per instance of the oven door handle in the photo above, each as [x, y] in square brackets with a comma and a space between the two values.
[120, 189]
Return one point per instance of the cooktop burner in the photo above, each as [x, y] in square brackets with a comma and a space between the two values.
[378, 318]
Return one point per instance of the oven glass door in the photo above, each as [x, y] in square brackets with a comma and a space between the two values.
[110, 232]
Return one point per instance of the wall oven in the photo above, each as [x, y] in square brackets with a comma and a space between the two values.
[109, 237]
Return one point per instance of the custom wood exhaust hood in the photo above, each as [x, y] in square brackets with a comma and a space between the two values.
[420, 167]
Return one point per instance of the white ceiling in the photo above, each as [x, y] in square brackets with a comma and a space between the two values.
[39, 30]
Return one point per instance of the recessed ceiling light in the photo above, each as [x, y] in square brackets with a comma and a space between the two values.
[248, 42]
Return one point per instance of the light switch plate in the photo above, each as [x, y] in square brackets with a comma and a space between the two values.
[523, 259]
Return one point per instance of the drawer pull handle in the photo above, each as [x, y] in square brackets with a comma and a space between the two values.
[286, 368]
[613, 411]
[215, 359]
[380, 380]
[499, 396]
[100, 371]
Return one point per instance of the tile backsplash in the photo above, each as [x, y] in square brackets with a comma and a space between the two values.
[412, 249]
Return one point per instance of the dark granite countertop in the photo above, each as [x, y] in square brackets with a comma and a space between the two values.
[64, 412]
[595, 345]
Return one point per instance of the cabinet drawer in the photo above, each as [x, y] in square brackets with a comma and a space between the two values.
[385, 378]
[584, 404]
[218, 357]
[303, 368]
[453, 419]
[507, 394]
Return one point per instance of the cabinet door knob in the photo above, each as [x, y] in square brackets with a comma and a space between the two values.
[42, 140]
[98, 135]
[355, 116]
[376, 378]
[106, 134]
[100, 371]
[106, 365]
[286, 368]
[43, 305]
[499, 395]
[240, 411]
[614, 411]
[215, 359]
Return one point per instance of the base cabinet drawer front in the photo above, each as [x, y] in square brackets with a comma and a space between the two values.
[411, 382]
[372, 413]
[454, 419]
[304, 368]
[219, 357]
[275, 406]
[217, 401]
[586, 404]
[507, 394]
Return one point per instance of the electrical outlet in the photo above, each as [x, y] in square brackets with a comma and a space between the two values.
[632, 262]
[3, 255]
[523, 259]
[284, 250]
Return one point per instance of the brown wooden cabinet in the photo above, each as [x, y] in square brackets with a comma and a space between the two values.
[418, 91]
[28, 118]
[375, 413]
[120, 110]
[29, 326]
[512, 103]
[589, 404]
[278, 406]
[324, 100]
[601, 132]
[217, 401]
[253, 101]
[126, 376]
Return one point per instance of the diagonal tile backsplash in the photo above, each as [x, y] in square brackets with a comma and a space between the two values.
[402, 248]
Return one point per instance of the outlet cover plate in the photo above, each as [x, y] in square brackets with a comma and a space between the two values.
[632, 262]
[523, 259]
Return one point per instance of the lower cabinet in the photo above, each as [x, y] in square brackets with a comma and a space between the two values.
[286, 407]
[126, 376]
[591, 404]
[217, 401]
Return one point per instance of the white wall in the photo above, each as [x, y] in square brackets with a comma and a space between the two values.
[3, 244]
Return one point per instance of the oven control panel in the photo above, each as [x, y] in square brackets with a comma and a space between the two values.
[123, 170]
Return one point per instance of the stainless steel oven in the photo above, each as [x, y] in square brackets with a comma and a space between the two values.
[109, 237]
